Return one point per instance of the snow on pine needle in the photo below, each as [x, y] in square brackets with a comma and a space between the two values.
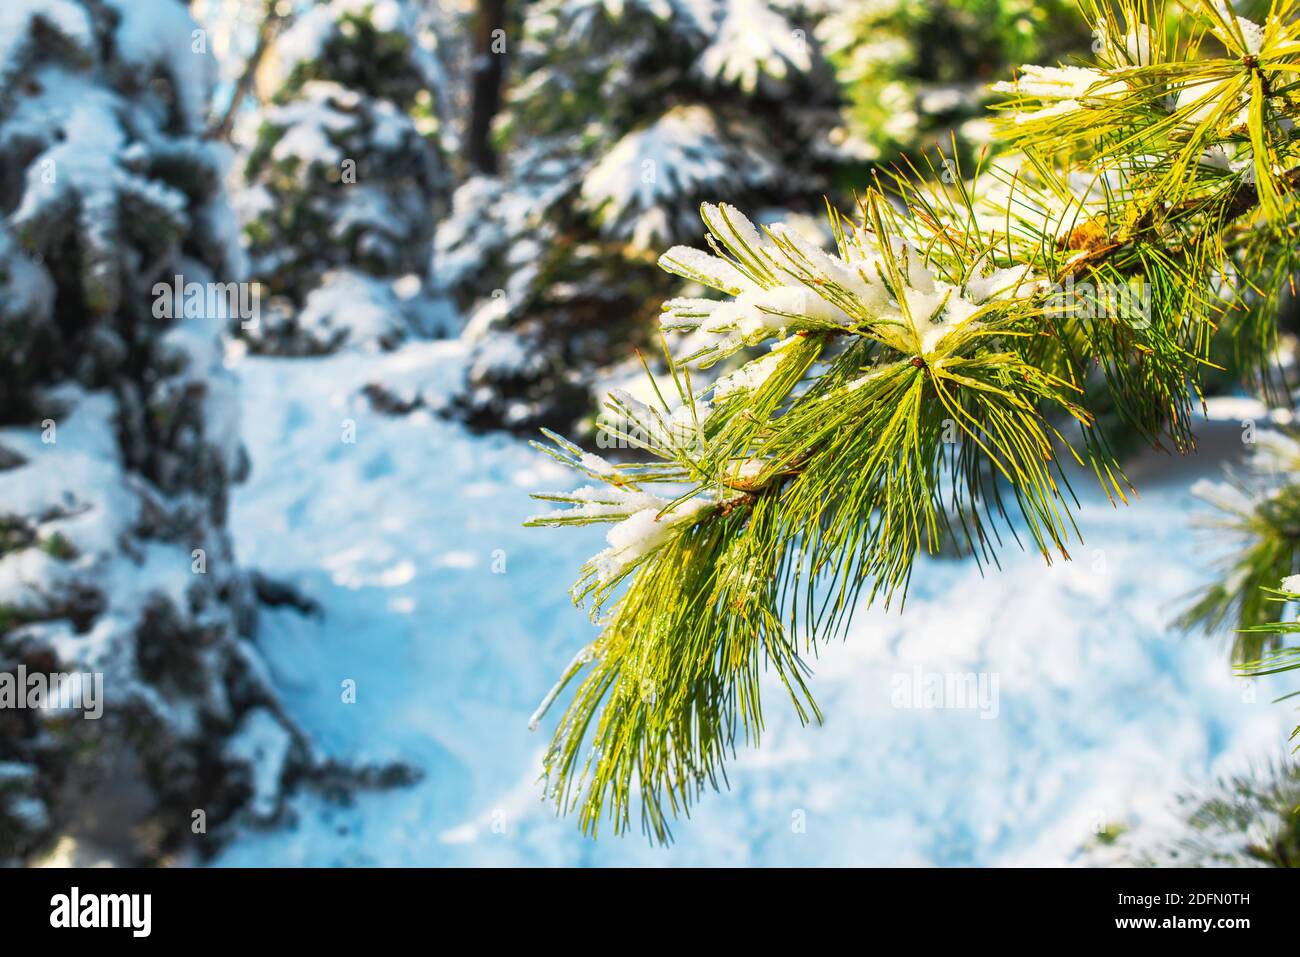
[702, 570]
[643, 521]
[783, 284]
[1255, 513]
[910, 390]
[1228, 111]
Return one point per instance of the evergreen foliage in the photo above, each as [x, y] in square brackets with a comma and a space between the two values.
[924, 383]
[917, 72]
[553, 261]
[1258, 512]
[118, 435]
[627, 116]
[347, 178]
[1246, 820]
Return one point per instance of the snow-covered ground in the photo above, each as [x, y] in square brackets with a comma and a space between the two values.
[1101, 713]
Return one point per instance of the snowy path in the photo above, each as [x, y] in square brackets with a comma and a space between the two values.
[1102, 713]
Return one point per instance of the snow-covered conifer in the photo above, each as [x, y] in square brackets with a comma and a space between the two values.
[917, 72]
[120, 433]
[346, 178]
[621, 119]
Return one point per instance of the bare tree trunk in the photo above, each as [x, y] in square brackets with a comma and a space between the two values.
[272, 22]
[488, 69]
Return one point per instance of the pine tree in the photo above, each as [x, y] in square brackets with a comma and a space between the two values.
[1262, 518]
[119, 440]
[1244, 820]
[1258, 512]
[917, 72]
[922, 385]
[553, 260]
[346, 179]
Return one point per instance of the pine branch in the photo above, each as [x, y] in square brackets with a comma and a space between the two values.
[911, 395]
[1260, 513]
[1243, 198]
